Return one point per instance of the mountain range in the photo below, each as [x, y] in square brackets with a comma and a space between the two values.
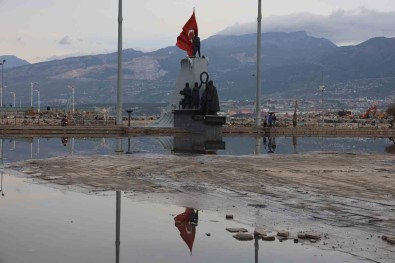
[12, 61]
[294, 65]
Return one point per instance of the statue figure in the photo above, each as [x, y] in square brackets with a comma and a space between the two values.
[209, 100]
[186, 102]
[195, 96]
[196, 44]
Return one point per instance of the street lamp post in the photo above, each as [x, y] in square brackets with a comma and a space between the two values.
[129, 111]
[32, 84]
[119, 77]
[120, 72]
[13, 93]
[258, 68]
[38, 103]
[322, 89]
[72, 97]
[2, 81]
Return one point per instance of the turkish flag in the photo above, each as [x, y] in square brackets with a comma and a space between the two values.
[190, 29]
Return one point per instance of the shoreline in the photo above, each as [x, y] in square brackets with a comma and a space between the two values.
[125, 131]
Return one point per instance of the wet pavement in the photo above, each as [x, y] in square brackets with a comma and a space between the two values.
[348, 198]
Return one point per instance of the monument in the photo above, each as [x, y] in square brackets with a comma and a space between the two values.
[196, 115]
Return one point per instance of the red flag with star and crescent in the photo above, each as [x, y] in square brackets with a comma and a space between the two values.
[190, 29]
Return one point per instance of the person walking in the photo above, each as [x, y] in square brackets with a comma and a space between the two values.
[274, 119]
[265, 122]
[270, 120]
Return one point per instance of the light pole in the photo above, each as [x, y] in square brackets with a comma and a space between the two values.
[72, 97]
[258, 68]
[2, 81]
[32, 84]
[120, 75]
[322, 89]
[13, 93]
[129, 111]
[38, 103]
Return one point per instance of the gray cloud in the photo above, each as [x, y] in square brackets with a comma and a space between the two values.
[341, 27]
[66, 40]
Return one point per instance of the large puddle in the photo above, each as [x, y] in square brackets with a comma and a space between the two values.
[49, 223]
[40, 223]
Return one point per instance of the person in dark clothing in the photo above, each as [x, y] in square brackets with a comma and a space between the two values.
[270, 120]
[195, 96]
[196, 45]
[265, 122]
[210, 101]
[274, 118]
[65, 140]
[187, 100]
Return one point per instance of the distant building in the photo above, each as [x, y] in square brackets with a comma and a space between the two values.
[241, 113]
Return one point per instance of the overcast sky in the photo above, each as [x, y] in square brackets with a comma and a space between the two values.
[38, 30]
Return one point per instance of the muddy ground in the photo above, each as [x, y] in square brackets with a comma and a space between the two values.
[348, 198]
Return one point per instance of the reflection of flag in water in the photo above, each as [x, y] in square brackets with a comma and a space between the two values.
[184, 225]
[190, 29]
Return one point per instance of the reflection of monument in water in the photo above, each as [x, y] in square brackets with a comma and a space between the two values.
[197, 144]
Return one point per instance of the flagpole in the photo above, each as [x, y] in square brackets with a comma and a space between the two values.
[258, 69]
[119, 86]
[119, 83]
